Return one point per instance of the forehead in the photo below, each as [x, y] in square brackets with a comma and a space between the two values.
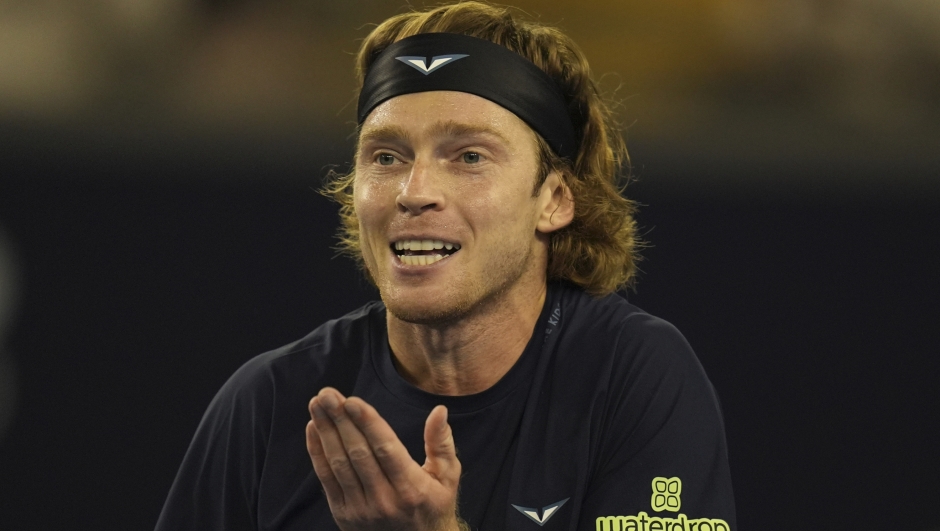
[427, 113]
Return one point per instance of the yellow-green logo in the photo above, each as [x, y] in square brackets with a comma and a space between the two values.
[666, 492]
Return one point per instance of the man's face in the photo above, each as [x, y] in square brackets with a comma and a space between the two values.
[455, 173]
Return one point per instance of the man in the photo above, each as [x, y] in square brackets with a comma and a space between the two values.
[500, 384]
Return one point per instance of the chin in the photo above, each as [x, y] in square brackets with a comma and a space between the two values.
[424, 312]
[455, 297]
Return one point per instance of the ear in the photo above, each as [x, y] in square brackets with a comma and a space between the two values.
[556, 204]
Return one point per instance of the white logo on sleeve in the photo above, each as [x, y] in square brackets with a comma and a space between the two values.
[421, 65]
[547, 511]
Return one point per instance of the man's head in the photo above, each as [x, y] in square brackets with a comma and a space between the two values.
[587, 235]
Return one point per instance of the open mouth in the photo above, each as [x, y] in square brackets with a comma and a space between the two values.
[423, 252]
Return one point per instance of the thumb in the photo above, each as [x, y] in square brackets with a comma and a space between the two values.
[439, 447]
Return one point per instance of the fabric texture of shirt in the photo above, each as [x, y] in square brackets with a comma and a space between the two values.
[606, 422]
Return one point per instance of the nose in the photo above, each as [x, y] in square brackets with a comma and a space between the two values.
[422, 190]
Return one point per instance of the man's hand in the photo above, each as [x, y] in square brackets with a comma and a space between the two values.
[370, 480]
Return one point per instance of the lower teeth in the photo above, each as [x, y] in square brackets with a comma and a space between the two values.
[420, 259]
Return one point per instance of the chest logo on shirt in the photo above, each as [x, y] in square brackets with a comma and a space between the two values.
[547, 512]
[666, 492]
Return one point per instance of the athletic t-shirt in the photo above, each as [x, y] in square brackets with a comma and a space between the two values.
[606, 422]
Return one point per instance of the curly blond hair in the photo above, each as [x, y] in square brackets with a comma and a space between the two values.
[598, 249]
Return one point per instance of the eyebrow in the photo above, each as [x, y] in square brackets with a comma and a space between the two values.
[448, 128]
[385, 133]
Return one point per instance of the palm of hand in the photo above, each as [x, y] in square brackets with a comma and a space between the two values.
[370, 480]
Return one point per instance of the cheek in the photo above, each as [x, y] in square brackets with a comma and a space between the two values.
[498, 207]
[369, 213]
[373, 200]
[490, 194]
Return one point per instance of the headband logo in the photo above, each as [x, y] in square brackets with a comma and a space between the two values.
[420, 63]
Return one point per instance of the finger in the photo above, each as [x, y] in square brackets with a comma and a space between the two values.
[440, 449]
[335, 451]
[321, 465]
[389, 452]
[357, 447]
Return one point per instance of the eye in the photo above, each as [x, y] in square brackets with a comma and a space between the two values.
[470, 157]
[385, 159]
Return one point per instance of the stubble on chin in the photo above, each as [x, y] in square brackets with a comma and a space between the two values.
[424, 312]
[459, 302]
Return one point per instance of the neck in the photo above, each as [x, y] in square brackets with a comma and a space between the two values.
[470, 354]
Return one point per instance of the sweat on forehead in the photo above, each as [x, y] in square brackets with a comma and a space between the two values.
[448, 61]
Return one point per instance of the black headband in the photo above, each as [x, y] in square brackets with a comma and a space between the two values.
[448, 61]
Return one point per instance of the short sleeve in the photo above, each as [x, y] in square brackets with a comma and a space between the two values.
[216, 487]
[663, 457]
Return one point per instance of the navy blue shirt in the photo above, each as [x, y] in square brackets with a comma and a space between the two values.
[606, 422]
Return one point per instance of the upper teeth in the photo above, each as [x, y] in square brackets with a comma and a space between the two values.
[424, 245]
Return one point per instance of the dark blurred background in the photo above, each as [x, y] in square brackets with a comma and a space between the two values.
[160, 224]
